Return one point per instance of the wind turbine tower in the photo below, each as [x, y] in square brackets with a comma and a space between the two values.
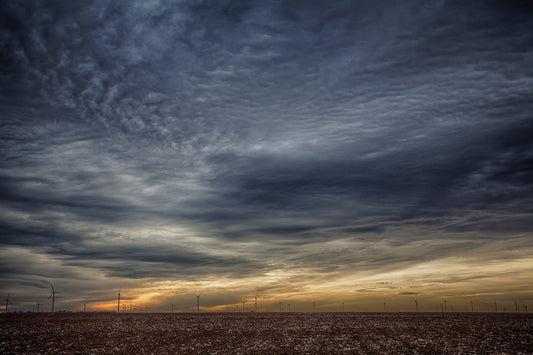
[38, 306]
[7, 301]
[53, 296]
[198, 303]
[118, 300]
[472, 306]
[255, 306]
[416, 305]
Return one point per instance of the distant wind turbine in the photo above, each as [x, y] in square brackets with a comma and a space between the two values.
[38, 306]
[198, 303]
[416, 305]
[118, 300]
[7, 301]
[53, 296]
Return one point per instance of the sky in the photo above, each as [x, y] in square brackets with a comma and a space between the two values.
[366, 152]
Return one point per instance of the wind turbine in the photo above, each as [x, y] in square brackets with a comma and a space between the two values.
[118, 300]
[53, 296]
[7, 301]
[416, 305]
[38, 306]
[198, 303]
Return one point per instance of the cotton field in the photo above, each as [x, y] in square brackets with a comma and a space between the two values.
[267, 333]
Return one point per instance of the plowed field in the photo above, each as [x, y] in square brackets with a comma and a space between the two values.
[267, 333]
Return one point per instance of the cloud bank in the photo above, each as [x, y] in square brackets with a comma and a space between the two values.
[205, 140]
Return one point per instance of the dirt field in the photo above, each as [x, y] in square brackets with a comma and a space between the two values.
[267, 333]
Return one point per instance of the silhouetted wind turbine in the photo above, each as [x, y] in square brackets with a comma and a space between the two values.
[472, 305]
[38, 306]
[53, 296]
[198, 303]
[118, 300]
[7, 301]
[416, 305]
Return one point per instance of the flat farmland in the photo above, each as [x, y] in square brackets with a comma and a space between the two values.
[267, 333]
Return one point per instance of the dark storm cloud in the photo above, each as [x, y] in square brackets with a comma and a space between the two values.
[293, 123]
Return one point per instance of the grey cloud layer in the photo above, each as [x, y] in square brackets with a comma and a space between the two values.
[270, 122]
